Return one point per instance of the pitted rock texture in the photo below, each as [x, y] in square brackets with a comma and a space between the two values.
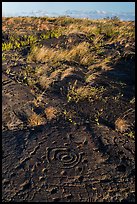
[59, 163]
[50, 165]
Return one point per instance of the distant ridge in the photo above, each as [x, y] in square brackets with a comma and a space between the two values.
[93, 14]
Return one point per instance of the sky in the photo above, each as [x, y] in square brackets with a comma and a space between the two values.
[60, 7]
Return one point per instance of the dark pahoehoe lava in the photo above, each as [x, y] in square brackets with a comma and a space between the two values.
[67, 157]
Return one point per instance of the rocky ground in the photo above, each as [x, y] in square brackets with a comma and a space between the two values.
[73, 138]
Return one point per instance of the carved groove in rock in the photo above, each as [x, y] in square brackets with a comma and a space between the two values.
[67, 157]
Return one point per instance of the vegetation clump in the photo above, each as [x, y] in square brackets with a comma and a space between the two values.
[88, 62]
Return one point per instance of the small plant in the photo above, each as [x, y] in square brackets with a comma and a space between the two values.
[70, 116]
[84, 93]
[131, 134]
[121, 125]
[51, 112]
[35, 120]
[7, 46]
[97, 116]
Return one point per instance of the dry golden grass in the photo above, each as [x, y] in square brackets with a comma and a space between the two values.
[46, 81]
[72, 28]
[59, 75]
[92, 77]
[41, 54]
[80, 53]
[71, 71]
[99, 65]
[68, 72]
[44, 69]
[51, 112]
[38, 100]
[35, 120]
[49, 55]
[121, 125]
[84, 93]
[56, 74]
[109, 42]
[83, 26]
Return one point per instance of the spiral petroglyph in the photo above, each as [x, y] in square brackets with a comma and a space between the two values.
[67, 157]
